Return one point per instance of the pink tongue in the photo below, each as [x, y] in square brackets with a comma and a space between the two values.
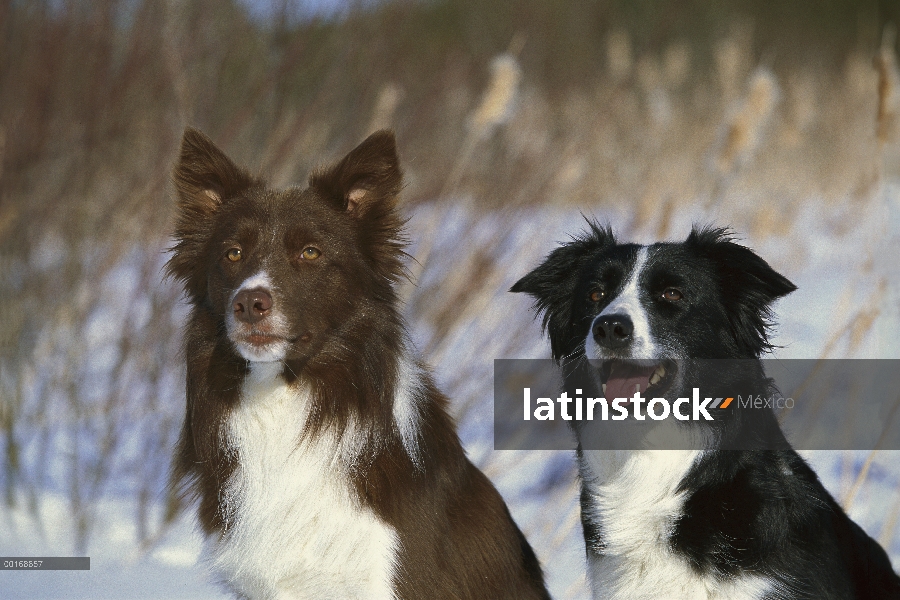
[624, 379]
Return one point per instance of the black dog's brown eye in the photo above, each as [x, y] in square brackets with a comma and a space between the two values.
[597, 295]
[234, 254]
[672, 295]
[310, 253]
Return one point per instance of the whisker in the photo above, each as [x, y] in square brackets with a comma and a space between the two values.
[288, 367]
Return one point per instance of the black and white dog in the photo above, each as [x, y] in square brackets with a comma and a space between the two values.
[709, 522]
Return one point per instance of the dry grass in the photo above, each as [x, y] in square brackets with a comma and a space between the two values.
[750, 110]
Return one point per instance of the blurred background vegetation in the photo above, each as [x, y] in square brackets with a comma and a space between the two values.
[748, 112]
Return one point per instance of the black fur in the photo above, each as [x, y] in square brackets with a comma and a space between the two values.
[761, 513]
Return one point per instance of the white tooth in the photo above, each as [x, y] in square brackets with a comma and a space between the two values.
[637, 388]
[604, 388]
[661, 370]
[655, 379]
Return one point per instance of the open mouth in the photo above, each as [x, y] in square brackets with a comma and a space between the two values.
[622, 378]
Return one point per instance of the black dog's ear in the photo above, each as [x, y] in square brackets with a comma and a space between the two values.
[204, 178]
[367, 177]
[552, 284]
[749, 283]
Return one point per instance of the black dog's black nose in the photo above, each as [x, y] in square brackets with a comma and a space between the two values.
[613, 331]
[252, 306]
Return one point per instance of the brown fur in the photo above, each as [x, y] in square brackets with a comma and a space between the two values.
[457, 539]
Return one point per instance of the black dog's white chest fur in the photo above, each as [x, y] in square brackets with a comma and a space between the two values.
[711, 523]
[633, 498]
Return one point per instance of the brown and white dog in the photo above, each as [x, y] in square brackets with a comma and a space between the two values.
[317, 446]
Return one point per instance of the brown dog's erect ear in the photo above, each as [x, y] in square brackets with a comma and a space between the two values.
[205, 176]
[368, 175]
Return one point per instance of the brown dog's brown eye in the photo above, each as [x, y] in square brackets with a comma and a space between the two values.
[234, 254]
[597, 295]
[310, 253]
[672, 295]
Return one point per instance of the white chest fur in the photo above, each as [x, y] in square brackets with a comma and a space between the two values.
[634, 500]
[293, 527]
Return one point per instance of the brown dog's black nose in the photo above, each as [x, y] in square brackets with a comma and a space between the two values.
[252, 306]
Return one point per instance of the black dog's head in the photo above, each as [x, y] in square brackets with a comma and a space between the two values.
[640, 307]
[288, 275]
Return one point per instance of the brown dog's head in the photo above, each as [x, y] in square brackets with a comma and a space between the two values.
[294, 274]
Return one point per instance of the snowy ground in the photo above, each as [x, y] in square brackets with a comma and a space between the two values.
[841, 259]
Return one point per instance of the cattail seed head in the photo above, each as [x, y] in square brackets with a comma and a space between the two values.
[888, 116]
[385, 107]
[745, 126]
[499, 98]
[618, 54]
